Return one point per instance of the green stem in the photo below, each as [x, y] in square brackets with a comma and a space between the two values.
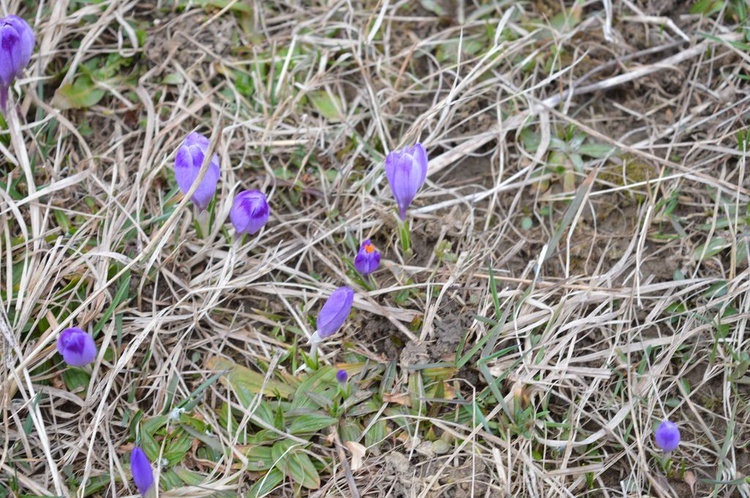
[202, 223]
[314, 355]
[405, 235]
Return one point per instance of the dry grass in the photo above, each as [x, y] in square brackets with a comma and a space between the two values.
[583, 228]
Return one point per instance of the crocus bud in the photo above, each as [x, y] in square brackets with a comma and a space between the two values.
[249, 211]
[187, 165]
[667, 436]
[367, 259]
[333, 313]
[76, 347]
[406, 170]
[16, 47]
[140, 467]
[342, 376]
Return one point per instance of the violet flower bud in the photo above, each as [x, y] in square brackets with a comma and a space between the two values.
[406, 170]
[333, 313]
[249, 211]
[667, 436]
[16, 47]
[76, 347]
[187, 166]
[367, 259]
[342, 376]
[140, 467]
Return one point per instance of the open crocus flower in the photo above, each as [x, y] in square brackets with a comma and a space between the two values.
[667, 436]
[143, 474]
[76, 347]
[367, 259]
[333, 313]
[187, 166]
[406, 170]
[249, 211]
[16, 47]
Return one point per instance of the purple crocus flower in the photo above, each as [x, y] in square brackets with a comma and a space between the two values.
[333, 313]
[187, 165]
[667, 436]
[367, 259]
[76, 347]
[406, 170]
[249, 211]
[342, 376]
[140, 467]
[16, 47]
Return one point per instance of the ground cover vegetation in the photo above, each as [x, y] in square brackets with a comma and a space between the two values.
[373, 248]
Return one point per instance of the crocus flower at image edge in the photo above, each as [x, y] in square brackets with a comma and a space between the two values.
[76, 346]
[143, 474]
[16, 46]
[249, 211]
[406, 170]
[187, 166]
[367, 259]
[334, 312]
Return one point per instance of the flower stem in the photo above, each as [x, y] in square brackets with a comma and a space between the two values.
[405, 236]
[314, 355]
[202, 223]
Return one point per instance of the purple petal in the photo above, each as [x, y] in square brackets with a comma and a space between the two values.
[334, 312]
[10, 42]
[16, 47]
[406, 171]
[26, 47]
[76, 347]
[140, 467]
[206, 190]
[195, 138]
[249, 211]
[342, 376]
[667, 436]
[367, 259]
[187, 166]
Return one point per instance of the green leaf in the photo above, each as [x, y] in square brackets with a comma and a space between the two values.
[173, 79]
[97, 483]
[246, 383]
[377, 434]
[242, 7]
[318, 382]
[123, 292]
[706, 7]
[179, 445]
[433, 7]
[531, 140]
[597, 151]
[328, 105]
[302, 470]
[710, 248]
[259, 458]
[312, 423]
[266, 484]
[168, 479]
[81, 94]
[76, 378]
[296, 464]
[740, 370]
[188, 476]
